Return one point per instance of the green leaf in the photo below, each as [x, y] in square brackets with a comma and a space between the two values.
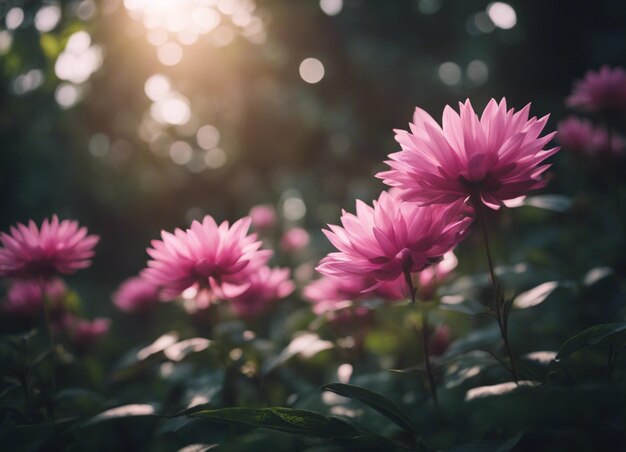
[288, 420]
[380, 403]
[489, 446]
[555, 203]
[459, 303]
[589, 337]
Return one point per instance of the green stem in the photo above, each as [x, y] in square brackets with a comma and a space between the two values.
[429, 369]
[497, 294]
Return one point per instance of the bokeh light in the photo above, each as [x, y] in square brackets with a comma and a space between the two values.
[502, 15]
[311, 70]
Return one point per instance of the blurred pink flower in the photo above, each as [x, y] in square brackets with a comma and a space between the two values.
[603, 90]
[266, 286]
[392, 239]
[263, 217]
[430, 278]
[330, 293]
[439, 341]
[136, 295]
[206, 256]
[84, 333]
[497, 157]
[24, 297]
[58, 247]
[579, 135]
[294, 239]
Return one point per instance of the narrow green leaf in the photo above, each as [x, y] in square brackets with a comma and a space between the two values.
[380, 403]
[589, 337]
[288, 420]
[489, 446]
[555, 203]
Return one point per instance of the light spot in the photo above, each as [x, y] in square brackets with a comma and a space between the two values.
[483, 23]
[294, 209]
[502, 15]
[429, 6]
[170, 53]
[47, 18]
[493, 390]
[67, 95]
[344, 372]
[27, 82]
[173, 109]
[450, 73]
[331, 7]
[14, 18]
[5, 41]
[157, 87]
[157, 37]
[477, 72]
[311, 70]
[181, 152]
[208, 137]
[99, 145]
[215, 158]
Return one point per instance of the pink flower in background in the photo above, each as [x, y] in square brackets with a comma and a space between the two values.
[84, 333]
[266, 286]
[602, 90]
[58, 247]
[497, 157]
[24, 297]
[328, 293]
[579, 135]
[431, 277]
[294, 239]
[263, 217]
[392, 239]
[136, 295]
[206, 256]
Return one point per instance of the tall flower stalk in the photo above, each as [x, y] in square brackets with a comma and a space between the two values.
[501, 309]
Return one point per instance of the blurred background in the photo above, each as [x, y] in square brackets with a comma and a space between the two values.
[134, 116]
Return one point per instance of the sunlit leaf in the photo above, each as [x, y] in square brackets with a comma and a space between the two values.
[496, 390]
[589, 337]
[380, 403]
[157, 346]
[133, 410]
[179, 350]
[556, 203]
[305, 344]
[535, 296]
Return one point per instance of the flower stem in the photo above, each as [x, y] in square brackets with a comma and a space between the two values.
[429, 369]
[498, 300]
[432, 385]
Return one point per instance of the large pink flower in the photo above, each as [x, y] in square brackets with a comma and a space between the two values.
[136, 295]
[206, 256]
[24, 297]
[603, 90]
[392, 239]
[497, 157]
[266, 286]
[58, 247]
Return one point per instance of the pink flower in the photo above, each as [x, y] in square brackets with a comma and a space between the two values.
[266, 286]
[59, 247]
[294, 239]
[392, 239]
[330, 293]
[84, 333]
[430, 278]
[263, 217]
[136, 295]
[206, 256]
[579, 135]
[24, 297]
[603, 90]
[497, 157]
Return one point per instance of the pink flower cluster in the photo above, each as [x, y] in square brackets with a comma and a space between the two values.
[441, 174]
[580, 136]
[216, 262]
[34, 257]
